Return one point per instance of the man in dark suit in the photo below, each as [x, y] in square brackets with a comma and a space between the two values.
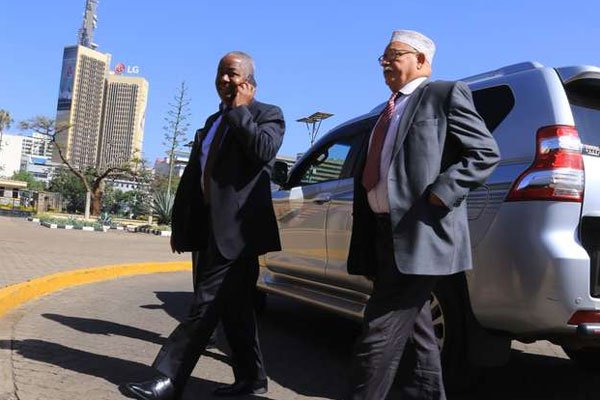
[223, 211]
[427, 150]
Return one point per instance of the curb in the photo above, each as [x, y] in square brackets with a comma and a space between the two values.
[103, 228]
[153, 231]
[15, 295]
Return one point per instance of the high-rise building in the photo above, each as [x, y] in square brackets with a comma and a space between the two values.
[37, 145]
[80, 101]
[122, 130]
[162, 166]
[100, 115]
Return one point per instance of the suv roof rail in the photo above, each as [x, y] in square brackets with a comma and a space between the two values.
[508, 70]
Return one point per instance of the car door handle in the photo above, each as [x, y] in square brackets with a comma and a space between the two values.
[322, 198]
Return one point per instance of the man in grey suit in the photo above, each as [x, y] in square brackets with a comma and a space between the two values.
[427, 150]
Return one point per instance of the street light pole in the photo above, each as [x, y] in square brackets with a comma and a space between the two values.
[313, 123]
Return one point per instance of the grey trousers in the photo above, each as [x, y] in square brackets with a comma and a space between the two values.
[398, 340]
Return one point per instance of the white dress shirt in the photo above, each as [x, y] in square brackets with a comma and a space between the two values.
[378, 196]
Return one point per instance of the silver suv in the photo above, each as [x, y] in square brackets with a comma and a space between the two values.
[535, 224]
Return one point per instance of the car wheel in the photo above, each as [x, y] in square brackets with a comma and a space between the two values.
[586, 357]
[448, 310]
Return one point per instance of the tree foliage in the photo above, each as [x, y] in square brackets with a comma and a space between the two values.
[70, 187]
[90, 178]
[161, 183]
[132, 203]
[176, 127]
[32, 183]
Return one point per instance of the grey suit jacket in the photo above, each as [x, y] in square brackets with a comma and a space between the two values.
[442, 146]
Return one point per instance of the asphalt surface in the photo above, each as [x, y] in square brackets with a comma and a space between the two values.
[28, 250]
[82, 342]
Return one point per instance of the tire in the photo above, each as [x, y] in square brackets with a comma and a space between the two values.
[587, 358]
[448, 310]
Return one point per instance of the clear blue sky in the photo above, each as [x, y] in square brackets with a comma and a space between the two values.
[310, 55]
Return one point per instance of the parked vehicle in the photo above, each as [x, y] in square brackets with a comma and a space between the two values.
[535, 224]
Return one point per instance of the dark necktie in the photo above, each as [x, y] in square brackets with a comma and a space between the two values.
[212, 156]
[371, 174]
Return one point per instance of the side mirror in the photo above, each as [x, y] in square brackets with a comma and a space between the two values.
[280, 173]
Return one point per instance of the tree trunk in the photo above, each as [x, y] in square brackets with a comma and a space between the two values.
[96, 202]
[86, 211]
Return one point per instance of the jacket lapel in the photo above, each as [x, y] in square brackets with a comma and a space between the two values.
[407, 116]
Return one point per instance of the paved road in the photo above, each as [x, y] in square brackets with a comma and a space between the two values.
[82, 342]
[28, 250]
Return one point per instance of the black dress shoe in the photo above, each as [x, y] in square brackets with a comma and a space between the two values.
[157, 389]
[242, 387]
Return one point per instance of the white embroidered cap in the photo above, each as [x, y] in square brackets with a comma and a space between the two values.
[416, 40]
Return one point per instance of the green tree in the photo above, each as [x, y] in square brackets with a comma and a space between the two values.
[112, 200]
[71, 189]
[32, 183]
[161, 183]
[176, 128]
[91, 179]
[135, 203]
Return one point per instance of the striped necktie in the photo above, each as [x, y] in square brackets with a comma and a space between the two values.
[371, 171]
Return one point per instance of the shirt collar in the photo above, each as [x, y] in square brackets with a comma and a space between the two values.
[411, 86]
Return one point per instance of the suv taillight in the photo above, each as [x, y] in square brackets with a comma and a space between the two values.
[557, 171]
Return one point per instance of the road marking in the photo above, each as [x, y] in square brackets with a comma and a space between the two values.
[15, 295]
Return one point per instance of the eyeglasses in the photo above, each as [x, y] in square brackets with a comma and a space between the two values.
[393, 55]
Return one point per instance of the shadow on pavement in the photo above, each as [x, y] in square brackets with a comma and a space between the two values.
[175, 304]
[309, 351]
[101, 327]
[114, 370]
[535, 377]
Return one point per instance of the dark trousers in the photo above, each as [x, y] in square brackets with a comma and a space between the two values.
[398, 336]
[223, 290]
[198, 257]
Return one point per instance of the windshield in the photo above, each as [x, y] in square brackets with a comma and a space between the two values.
[584, 96]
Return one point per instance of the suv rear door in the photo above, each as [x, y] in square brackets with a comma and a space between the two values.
[582, 85]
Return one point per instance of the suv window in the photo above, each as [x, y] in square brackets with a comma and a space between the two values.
[326, 164]
[494, 104]
[584, 96]
[334, 159]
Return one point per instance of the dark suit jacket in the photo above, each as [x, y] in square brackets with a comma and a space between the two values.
[442, 146]
[240, 210]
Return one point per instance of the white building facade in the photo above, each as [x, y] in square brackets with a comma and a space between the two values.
[10, 154]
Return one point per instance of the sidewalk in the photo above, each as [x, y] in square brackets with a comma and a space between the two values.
[82, 342]
[28, 250]
[29, 253]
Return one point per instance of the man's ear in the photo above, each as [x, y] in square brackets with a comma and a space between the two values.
[251, 80]
[421, 59]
